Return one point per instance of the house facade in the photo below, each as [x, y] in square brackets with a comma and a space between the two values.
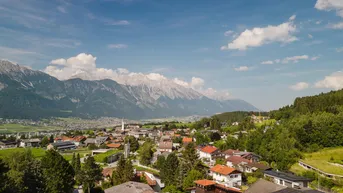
[286, 179]
[227, 176]
[30, 143]
[208, 153]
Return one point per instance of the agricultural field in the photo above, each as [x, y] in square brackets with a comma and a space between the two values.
[328, 160]
[36, 152]
[100, 157]
[15, 128]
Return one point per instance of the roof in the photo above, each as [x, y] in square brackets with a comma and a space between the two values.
[113, 145]
[223, 169]
[150, 179]
[209, 149]
[36, 140]
[90, 140]
[264, 186]
[231, 151]
[166, 145]
[79, 138]
[286, 176]
[231, 189]
[61, 144]
[187, 140]
[205, 182]
[237, 160]
[107, 172]
[130, 187]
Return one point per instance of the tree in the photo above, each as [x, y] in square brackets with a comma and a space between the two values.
[171, 189]
[51, 139]
[22, 136]
[25, 173]
[45, 141]
[4, 181]
[160, 161]
[169, 172]
[146, 153]
[92, 146]
[58, 172]
[192, 176]
[201, 138]
[77, 169]
[215, 136]
[215, 123]
[220, 161]
[123, 172]
[73, 161]
[134, 145]
[90, 173]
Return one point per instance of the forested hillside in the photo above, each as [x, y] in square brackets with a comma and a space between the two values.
[237, 116]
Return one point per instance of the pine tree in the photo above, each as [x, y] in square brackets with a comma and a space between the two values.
[73, 161]
[57, 171]
[118, 174]
[90, 173]
[77, 163]
[128, 170]
[169, 170]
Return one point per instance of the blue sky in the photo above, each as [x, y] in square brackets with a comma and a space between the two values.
[266, 52]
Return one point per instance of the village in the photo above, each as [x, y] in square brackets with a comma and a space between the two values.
[228, 170]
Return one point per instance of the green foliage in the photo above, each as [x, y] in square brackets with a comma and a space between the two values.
[25, 174]
[168, 172]
[160, 161]
[201, 138]
[4, 181]
[192, 176]
[215, 136]
[123, 172]
[45, 141]
[251, 180]
[92, 146]
[90, 173]
[220, 161]
[58, 171]
[171, 189]
[146, 153]
[134, 145]
[237, 116]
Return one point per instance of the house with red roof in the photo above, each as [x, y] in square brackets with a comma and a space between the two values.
[208, 153]
[245, 165]
[187, 140]
[226, 176]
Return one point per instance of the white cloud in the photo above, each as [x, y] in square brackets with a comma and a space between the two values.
[310, 36]
[333, 81]
[117, 22]
[299, 86]
[256, 37]
[339, 49]
[84, 66]
[318, 22]
[228, 33]
[60, 61]
[242, 68]
[61, 9]
[295, 59]
[267, 62]
[117, 46]
[292, 18]
[315, 58]
[336, 25]
[329, 5]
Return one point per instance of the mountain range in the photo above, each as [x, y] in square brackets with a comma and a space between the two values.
[27, 93]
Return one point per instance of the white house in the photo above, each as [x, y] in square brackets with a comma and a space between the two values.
[226, 176]
[165, 146]
[30, 143]
[287, 179]
[207, 153]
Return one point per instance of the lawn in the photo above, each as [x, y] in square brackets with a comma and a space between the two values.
[323, 160]
[36, 152]
[100, 157]
[297, 169]
[139, 168]
[14, 128]
[68, 155]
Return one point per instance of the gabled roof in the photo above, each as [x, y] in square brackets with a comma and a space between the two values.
[113, 145]
[205, 182]
[231, 151]
[223, 169]
[187, 140]
[130, 187]
[286, 176]
[237, 160]
[165, 145]
[209, 149]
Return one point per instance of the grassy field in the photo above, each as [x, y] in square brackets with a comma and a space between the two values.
[139, 168]
[68, 155]
[324, 159]
[100, 157]
[36, 152]
[14, 128]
